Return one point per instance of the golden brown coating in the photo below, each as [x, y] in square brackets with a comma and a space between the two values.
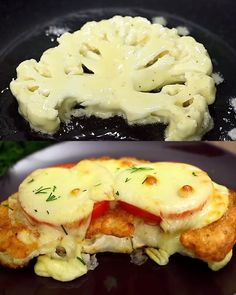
[214, 241]
[116, 222]
[11, 247]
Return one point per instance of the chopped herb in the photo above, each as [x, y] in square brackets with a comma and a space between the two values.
[7, 206]
[64, 229]
[81, 260]
[117, 193]
[41, 190]
[118, 168]
[85, 190]
[194, 174]
[47, 212]
[31, 180]
[52, 197]
[54, 188]
[127, 179]
[136, 169]
[35, 210]
[144, 180]
[98, 184]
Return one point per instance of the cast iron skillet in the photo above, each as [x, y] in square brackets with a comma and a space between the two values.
[22, 30]
[115, 274]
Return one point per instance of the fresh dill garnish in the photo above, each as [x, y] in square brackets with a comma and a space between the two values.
[117, 193]
[127, 179]
[194, 173]
[47, 212]
[54, 188]
[81, 260]
[52, 197]
[85, 190]
[31, 180]
[35, 210]
[98, 184]
[7, 206]
[134, 169]
[41, 190]
[64, 229]
[144, 180]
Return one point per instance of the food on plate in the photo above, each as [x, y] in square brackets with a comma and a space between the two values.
[66, 214]
[123, 66]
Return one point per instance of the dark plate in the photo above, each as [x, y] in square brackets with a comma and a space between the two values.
[33, 41]
[115, 274]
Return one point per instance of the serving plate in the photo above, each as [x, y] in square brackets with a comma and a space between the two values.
[37, 38]
[115, 274]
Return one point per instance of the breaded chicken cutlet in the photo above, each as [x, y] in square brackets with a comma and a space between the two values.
[116, 205]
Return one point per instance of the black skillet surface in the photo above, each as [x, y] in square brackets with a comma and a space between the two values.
[115, 274]
[23, 29]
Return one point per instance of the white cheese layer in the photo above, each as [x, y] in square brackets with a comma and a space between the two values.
[61, 269]
[127, 58]
[59, 196]
[163, 188]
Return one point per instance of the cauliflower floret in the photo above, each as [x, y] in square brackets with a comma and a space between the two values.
[124, 65]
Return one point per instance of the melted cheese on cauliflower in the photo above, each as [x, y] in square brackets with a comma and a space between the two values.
[126, 66]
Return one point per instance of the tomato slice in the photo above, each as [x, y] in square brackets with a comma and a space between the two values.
[99, 208]
[185, 213]
[140, 212]
[65, 165]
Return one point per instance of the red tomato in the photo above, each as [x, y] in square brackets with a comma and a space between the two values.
[99, 209]
[140, 212]
[65, 165]
[185, 213]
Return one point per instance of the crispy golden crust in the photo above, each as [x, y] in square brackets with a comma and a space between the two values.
[10, 246]
[214, 241]
[116, 222]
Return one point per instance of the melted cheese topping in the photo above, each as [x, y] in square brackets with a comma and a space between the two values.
[59, 196]
[59, 269]
[128, 59]
[167, 186]
[213, 210]
[125, 176]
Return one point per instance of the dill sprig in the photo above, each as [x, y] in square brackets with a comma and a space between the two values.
[52, 197]
[134, 169]
[81, 260]
[41, 190]
[62, 226]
